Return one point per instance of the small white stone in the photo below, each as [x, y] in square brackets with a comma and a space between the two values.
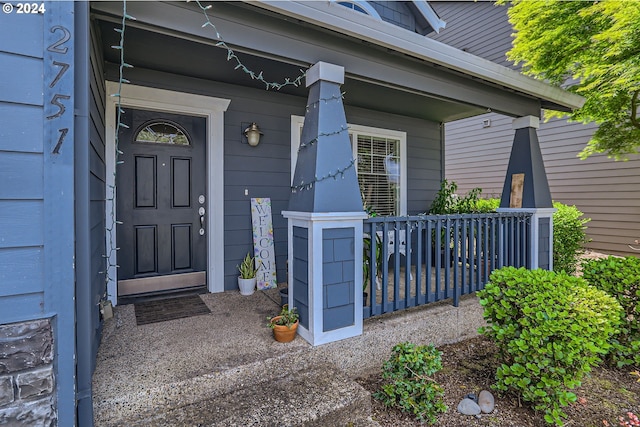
[468, 407]
[486, 402]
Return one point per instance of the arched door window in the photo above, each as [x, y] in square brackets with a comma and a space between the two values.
[161, 132]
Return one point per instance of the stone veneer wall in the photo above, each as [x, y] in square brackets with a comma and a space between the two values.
[27, 383]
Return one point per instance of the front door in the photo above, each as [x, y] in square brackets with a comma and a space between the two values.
[161, 202]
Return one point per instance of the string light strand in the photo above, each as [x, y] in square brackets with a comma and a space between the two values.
[325, 100]
[309, 185]
[314, 140]
[112, 222]
[231, 56]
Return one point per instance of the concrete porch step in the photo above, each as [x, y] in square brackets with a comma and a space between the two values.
[280, 391]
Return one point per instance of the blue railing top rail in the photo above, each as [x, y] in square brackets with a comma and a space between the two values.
[381, 219]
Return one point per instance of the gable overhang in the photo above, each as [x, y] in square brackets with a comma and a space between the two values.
[411, 44]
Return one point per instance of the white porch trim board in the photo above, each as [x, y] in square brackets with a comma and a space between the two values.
[212, 109]
[315, 223]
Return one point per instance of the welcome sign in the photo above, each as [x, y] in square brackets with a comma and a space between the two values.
[263, 248]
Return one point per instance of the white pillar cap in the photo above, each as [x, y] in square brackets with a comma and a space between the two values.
[526, 122]
[325, 71]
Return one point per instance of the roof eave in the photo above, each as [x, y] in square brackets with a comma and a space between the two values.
[341, 20]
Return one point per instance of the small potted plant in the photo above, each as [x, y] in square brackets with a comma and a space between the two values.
[247, 278]
[285, 324]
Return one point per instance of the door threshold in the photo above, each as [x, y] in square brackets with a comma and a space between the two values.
[159, 295]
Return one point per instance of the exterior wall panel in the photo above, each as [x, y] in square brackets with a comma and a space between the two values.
[37, 208]
[21, 78]
[480, 28]
[606, 191]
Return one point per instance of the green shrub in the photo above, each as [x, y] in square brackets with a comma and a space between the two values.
[486, 205]
[569, 237]
[550, 329]
[447, 202]
[411, 388]
[620, 278]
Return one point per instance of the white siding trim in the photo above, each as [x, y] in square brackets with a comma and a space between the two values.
[212, 109]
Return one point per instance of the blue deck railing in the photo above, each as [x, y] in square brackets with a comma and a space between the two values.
[428, 258]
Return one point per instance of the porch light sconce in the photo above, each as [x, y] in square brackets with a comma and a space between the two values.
[252, 133]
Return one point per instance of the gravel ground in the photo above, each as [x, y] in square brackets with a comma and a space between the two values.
[469, 367]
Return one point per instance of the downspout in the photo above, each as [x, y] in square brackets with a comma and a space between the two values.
[442, 153]
[84, 305]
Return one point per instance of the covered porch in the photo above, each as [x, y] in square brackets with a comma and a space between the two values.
[225, 368]
[396, 81]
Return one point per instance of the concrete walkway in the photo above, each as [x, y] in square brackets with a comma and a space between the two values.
[225, 368]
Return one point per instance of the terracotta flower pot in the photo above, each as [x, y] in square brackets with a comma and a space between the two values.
[284, 333]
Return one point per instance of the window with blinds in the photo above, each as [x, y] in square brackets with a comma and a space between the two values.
[378, 172]
[381, 157]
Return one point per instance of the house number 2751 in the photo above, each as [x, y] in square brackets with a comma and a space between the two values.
[57, 100]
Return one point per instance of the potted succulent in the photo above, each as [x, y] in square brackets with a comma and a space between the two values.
[247, 278]
[285, 324]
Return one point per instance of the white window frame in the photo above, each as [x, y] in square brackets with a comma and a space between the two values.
[363, 4]
[296, 131]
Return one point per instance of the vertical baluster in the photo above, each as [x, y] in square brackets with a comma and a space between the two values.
[458, 251]
[409, 300]
[512, 243]
[439, 254]
[485, 251]
[462, 268]
[478, 251]
[430, 245]
[419, 259]
[373, 269]
[447, 258]
[385, 267]
[473, 260]
[397, 301]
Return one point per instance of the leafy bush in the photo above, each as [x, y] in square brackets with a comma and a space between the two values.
[550, 329]
[569, 237]
[447, 202]
[411, 388]
[486, 205]
[620, 278]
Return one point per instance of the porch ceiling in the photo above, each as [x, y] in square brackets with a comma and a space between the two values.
[151, 50]
[169, 37]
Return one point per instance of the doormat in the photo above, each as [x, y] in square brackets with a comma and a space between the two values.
[169, 309]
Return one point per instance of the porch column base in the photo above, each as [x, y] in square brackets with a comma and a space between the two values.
[541, 239]
[325, 273]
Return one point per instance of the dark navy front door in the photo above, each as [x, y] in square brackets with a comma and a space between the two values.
[161, 188]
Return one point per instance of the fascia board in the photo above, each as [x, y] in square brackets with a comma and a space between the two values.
[330, 16]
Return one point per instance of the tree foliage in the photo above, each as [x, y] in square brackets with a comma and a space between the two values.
[593, 48]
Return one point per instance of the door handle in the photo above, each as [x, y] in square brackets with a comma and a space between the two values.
[201, 213]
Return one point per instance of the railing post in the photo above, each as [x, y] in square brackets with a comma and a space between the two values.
[540, 250]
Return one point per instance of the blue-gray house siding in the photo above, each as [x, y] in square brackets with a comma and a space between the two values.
[37, 204]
